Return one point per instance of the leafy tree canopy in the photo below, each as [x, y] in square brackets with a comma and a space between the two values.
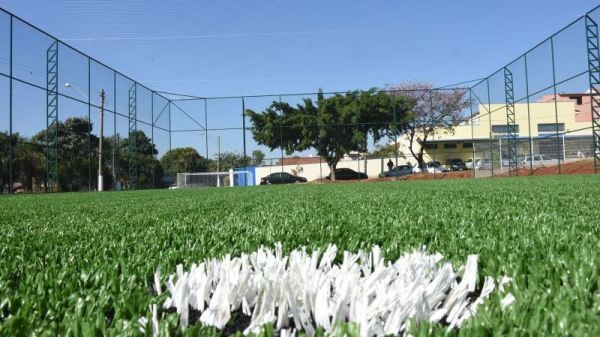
[333, 125]
[183, 159]
[435, 111]
[229, 160]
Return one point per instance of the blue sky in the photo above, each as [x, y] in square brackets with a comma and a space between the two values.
[222, 48]
[230, 48]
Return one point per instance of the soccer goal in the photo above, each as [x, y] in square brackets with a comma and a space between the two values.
[215, 179]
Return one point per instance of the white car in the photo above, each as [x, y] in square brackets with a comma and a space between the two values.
[538, 160]
[480, 164]
[431, 167]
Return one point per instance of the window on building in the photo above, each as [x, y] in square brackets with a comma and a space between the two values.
[504, 128]
[467, 145]
[578, 99]
[430, 146]
[551, 127]
[449, 145]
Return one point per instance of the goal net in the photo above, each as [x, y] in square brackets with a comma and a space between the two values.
[215, 179]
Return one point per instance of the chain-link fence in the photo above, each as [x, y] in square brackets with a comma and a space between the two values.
[539, 114]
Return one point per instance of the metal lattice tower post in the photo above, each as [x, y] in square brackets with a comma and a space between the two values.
[510, 123]
[52, 117]
[594, 75]
[133, 165]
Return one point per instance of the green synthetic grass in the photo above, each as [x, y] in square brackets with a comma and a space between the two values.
[81, 264]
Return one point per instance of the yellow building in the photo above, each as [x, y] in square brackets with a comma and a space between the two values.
[560, 129]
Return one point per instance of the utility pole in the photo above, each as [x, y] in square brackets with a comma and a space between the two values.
[100, 177]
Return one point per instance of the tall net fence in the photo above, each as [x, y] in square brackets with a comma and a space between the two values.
[537, 115]
[64, 115]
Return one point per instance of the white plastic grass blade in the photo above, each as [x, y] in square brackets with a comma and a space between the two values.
[504, 280]
[142, 322]
[155, 324]
[470, 275]
[157, 287]
[507, 301]
[310, 291]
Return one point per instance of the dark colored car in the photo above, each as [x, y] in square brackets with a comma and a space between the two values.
[398, 171]
[456, 165]
[347, 174]
[281, 178]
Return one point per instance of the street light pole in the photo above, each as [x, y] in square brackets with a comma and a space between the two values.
[102, 97]
[100, 177]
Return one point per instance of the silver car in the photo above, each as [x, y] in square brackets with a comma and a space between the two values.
[398, 171]
[478, 164]
[431, 167]
[538, 160]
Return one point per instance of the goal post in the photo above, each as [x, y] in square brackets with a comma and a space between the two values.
[215, 179]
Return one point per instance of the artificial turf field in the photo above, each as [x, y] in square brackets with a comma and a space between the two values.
[81, 264]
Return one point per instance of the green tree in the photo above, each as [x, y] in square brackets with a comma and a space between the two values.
[333, 126]
[149, 170]
[387, 150]
[183, 159]
[27, 164]
[434, 112]
[229, 160]
[257, 157]
[77, 154]
[5, 142]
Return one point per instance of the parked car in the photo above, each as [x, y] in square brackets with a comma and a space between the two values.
[469, 163]
[484, 164]
[506, 161]
[431, 167]
[479, 164]
[347, 174]
[456, 165]
[281, 178]
[435, 167]
[398, 171]
[538, 160]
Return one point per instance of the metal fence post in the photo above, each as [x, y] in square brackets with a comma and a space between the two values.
[472, 133]
[395, 131]
[90, 124]
[116, 147]
[357, 130]
[490, 123]
[555, 104]
[52, 116]
[170, 129]
[205, 126]
[510, 123]
[152, 137]
[244, 127]
[529, 118]
[593, 47]
[281, 135]
[320, 169]
[133, 151]
[10, 112]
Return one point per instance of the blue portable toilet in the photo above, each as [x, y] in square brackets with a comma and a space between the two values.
[243, 179]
